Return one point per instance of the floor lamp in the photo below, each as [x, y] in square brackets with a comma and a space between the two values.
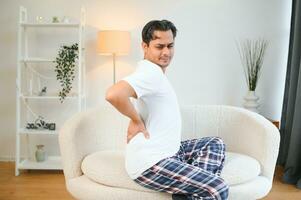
[112, 42]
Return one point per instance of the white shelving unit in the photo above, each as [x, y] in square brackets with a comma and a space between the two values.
[25, 160]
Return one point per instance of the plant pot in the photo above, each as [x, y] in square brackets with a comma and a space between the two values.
[251, 101]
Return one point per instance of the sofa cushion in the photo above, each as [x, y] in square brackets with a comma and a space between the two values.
[239, 168]
[107, 168]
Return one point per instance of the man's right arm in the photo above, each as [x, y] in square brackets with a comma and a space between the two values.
[118, 95]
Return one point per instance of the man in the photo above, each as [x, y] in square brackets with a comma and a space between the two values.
[155, 156]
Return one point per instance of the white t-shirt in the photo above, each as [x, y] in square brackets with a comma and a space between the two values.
[158, 107]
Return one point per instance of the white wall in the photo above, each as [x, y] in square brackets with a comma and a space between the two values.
[206, 68]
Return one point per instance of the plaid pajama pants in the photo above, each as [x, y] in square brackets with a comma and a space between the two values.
[193, 171]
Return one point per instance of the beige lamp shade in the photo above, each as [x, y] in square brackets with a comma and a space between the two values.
[113, 42]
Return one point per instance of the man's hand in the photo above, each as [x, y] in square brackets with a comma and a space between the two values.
[118, 95]
[134, 128]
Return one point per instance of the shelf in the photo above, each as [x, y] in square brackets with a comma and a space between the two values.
[26, 131]
[39, 60]
[30, 69]
[52, 163]
[66, 25]
[36, 60]
[35, 97]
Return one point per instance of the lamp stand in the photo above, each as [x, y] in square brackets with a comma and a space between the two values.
[114, 69]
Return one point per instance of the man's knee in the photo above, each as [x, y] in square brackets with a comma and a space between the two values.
[218, 142]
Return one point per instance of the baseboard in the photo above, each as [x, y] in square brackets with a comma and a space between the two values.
[7, 159]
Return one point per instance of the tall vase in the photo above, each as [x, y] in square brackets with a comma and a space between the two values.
[251, 101]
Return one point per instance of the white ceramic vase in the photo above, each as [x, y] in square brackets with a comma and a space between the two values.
[251, 101]
[40, 153]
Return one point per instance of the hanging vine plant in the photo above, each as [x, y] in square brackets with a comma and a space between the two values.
[65, 68]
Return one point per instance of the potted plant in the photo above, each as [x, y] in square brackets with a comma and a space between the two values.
[252, 53]
[65, 68]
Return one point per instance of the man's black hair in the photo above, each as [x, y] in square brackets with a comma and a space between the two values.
[157, 25]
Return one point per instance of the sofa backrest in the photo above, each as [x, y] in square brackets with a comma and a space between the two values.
[111, 126]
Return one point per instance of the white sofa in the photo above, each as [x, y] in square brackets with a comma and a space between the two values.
[92, 146]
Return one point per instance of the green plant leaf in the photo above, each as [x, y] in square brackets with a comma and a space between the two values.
[65, 67]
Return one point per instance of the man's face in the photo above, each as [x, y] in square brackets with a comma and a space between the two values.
[161, 49]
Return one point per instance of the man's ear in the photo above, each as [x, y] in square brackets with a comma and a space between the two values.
[144, 46]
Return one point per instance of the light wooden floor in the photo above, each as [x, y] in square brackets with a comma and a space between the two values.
[48, 185]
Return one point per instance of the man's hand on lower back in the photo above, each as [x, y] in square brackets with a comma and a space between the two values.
[134, 128]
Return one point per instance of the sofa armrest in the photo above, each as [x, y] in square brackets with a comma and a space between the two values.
[71, 153]
[249, 133]
[99, 128]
